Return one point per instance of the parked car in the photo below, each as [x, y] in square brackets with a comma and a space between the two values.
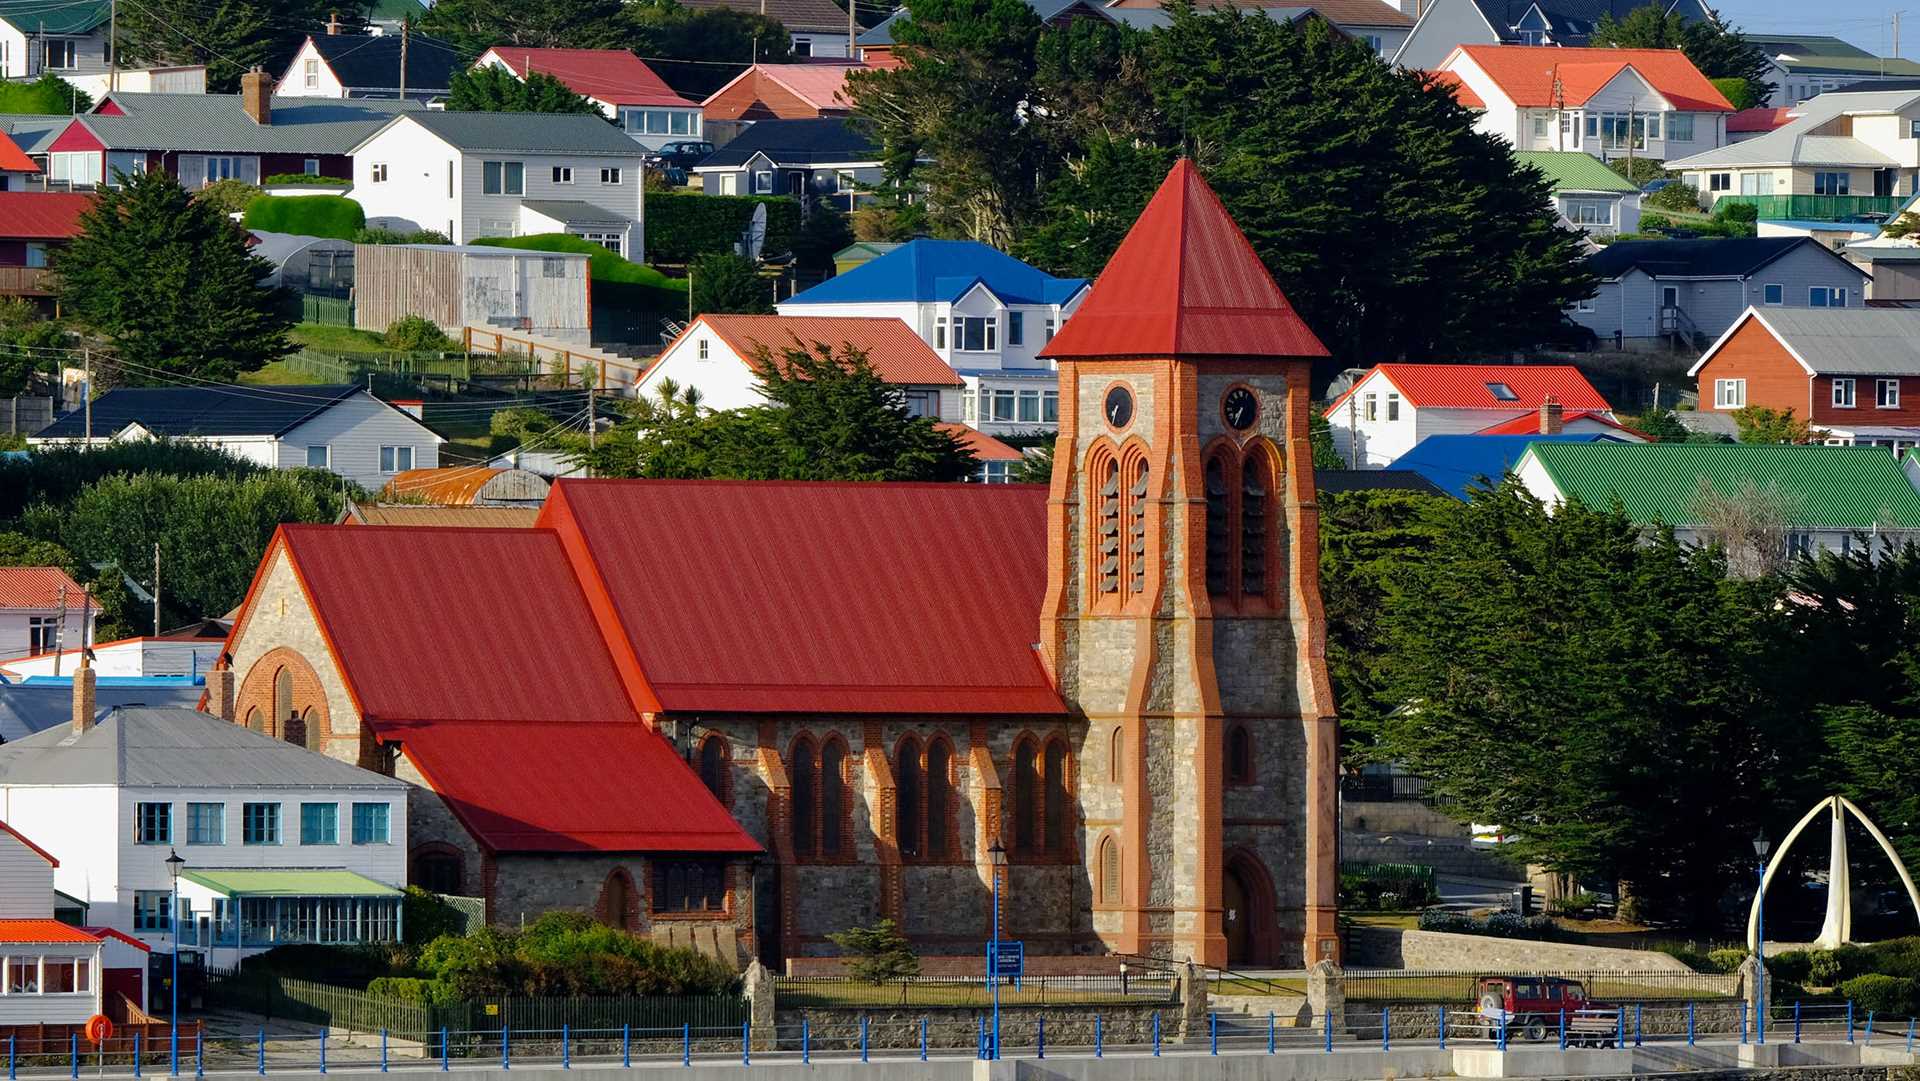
[682, 155]
[1533, 1008]
[1655, 185]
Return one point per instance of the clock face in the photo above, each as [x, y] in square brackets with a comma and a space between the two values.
[1119, 406]
[1240, 408]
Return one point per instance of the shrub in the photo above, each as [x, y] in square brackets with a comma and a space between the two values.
[428, 917]
[1793, 965]
[1888, 996]
[567, 953]
[681, 228]
[1386, 887]
[1727, 960]
[1653, 223]
[1440, 919]
[1738, 91]
[308, 180]
[230, 196]
[1824, 969]
[1732, 211]
[1676, 197]
[416, 334]
[332, 216]
[413, 989]
[1640, 170]
[878, 954]
[390, 236]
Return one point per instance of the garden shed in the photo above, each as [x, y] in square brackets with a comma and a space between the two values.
[541, 294]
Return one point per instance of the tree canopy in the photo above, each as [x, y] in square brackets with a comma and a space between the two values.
[169, 281]
[230, 37]
[48, 95]
[1715, 46]
[723, 283]
[474, 26]
[494, 89]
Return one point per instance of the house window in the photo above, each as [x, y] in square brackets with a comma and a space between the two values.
[379, 172]
[563, 174]
[1583, 305]
[1729, 393]
[320, 457]
[370, 824]
[319, 823]
[1680, 127]
[681, 123]
[1826, 296]
[1886, 393]
[149, 913]
[976, 334]
[503, 178]
[1843, 394]
[610, 176]
[701, 349]
[551, 268]
[395, 459]
[153, 823]
[260, 824]
[609, 241]
[1913, 129]
[1831, 183]
[1003, 405]
[1370, 407]
[1048, 331]
[1756, 183]
[923, 403]
[1502, 392]
[1590, 213]
[689, 886]
[310, 166]
[762, 182]
[1030, 406]
[802, 46]
[43, 634]
[843, 182]
[62, 55]
[1016, 328]
[1393, 406]
[967, 407]
[1719, 181]
[1540, 127]
[940, 332]
[66, 976]
[1799, 544]
[36, 254]
[1050, 407]
[1773, 295]
[219, 169]
[310, 72]
[206, 823]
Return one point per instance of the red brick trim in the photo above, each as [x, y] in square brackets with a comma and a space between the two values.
[257, 691]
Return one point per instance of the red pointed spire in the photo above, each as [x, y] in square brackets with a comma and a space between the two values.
[1185, 283]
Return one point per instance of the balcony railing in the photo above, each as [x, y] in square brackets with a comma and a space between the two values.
[16, 281]
[1816, 207]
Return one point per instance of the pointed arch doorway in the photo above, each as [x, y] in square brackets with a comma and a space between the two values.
[1247, 916]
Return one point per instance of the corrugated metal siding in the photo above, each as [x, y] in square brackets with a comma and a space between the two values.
[1836, 487]
[392, 281]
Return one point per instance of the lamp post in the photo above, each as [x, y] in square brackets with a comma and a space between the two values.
[173, 929]
[1760, 846]
[997, 857]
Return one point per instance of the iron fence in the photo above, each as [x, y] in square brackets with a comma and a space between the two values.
[1457, 988]
[974, 991]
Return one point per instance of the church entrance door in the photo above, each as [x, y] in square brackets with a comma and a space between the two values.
[1237, 919]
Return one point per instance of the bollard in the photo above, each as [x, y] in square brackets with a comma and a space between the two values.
[1909, 1035]
[1689, 1024]
[746, 1045]
[1502, 1034]
[200, 1052]
[1796, 1021]
[1386, 1030]
[1443, 1028]
[506, 1042]
[75, 1036]
[923, 1039]
[980, 1040]
[1636, 1024]
[383, 1050]
[1743, 1022]
[323, 1050]
[173, 1046]
[863, 1037]
[1869, 1028]
[263, 1052]
[446, 1053]
[1156, 1034]
[136, 1056]
[1849, 1020]
[806, 1041]
[1270, 1023]
[1328, 1017]
[626, 1046]
[1563, 1028]
[1620, 1027]
[686, 1043]
[1213, 1033]
[1099, 1038]
[1041, 1043]
[566, 1046]
[11, 1062]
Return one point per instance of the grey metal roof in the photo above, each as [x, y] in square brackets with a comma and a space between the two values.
[32, 131]
[218, 122]
[36, 705]
[1794, 142]
[529, 133]
[573, 212]
[1851, 341]
[142, 747]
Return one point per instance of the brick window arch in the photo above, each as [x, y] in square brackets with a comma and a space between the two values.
[1239, 755]
[288, 697]
[1104, 471]
[619, 904]
[939, 798]
[805, 788]
[716, 768]
[834, 842]
[1256, 522]
[1058, 806]
[438, 868]
[1107, 871]
[1026, 796]
[1135, 475]
[910, 787]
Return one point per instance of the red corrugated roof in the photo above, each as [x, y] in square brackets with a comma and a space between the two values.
[34, 587]
[1462, 93]
[42, 215]
[1760, 119]
[22, 838]
[612, 75]
[1529, 423]
[1526, 74]
[822, 85]
[104, 933]
[821, 597]
[39, 931]
[1468, 386]
[13, 159]
[897, 354]
[1185, 283]
[569, 787]
[985, 448]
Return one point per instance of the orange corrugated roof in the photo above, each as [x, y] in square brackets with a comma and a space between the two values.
[1462, 93]
[37, 931]
[36, 587]
[819, 85]
[1526, 74]
[13, 159]
[449, 485]
[985, 448]
[897, 354]
[1470, 386]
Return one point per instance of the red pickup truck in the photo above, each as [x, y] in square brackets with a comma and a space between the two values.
[1531, 1008]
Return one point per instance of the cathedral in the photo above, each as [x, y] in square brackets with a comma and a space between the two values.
[742, 716]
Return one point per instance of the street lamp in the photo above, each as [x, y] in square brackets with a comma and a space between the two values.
[173, 928]
[1760, 847]
[997, 857]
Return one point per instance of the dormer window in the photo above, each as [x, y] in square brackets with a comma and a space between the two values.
[1502, 392]
[976, 333]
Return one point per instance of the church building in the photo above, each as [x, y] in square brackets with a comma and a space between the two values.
[745, 715]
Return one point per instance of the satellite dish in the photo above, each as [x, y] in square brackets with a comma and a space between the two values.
[754, 237]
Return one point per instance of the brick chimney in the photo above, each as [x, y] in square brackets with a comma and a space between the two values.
[333, 24]
[83, 695]
[256, 96]
[220, 688]
[1550, 414]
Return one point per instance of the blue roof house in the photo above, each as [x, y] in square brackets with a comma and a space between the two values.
[986, 313]
[1455, 463]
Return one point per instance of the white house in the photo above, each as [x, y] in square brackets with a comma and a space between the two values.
[1443, 25]
[1587, 194]
[1837, 156]
[619, 83]
[718, 356]
[340, 428]
[336, 65]
[281, 844]
[1652, 103]
[472, 175]
[49, 971]
[127, 658]
[1393, 406]
[42, 611]
[67, 39]
[985, 313]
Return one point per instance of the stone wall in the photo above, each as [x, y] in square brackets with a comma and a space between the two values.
[949, 1027]
[1435, 951]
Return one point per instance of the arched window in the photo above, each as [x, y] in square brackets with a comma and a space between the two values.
[1108, 868]
[1254, 503]
[282, 701]
[1137, 528]
[1107, 524]
[1239, 755]
[908, 790]
[804, 793]
[310, 729]
[1026, 793]
[1116, 757]
[255, 721]
[715, 759]
[833, 798]
[438, 868]
[1219, 527]
[939, 796]
[619, 901]
[1059, 815]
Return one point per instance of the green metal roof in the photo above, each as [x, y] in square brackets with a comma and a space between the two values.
[289, 883]
[1828, 487]
[54, 16]
[1571, 170]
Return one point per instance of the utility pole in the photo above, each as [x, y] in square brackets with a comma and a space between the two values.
[86, 391]
[851, 4]
[156, 589]
[406, 26]
[1353, 434]
[1896, 35]
[113, 45]
[60, 633]
[1632, 119]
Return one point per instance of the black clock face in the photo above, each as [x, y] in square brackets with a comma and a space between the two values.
[1119, 406]
[1240, 408]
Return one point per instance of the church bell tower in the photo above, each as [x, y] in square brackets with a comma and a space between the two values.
[1182, 618]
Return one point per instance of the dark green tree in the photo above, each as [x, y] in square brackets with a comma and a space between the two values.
[28, 344]
[48, 95]
[1715, 46]
[169, 280]
[496, 90]
[665, 30]
[1320, 438]
[1088, 209]
[1661, 425]
[878, 954]
[727, 284]
[473, 26]
[229, 37]
[824, 232]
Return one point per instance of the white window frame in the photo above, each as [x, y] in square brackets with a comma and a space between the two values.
[1773, 294]
[1370, 406]
[1830, 297]
[563, 174]
[762, 182]
[227, 168]
[1886, 394]
[392, 453]
[311, 166]
[69, 50]
[1844, 393]
[989, 326]
[1729, 393]
[701, 349]
[1393, 407]
[940, 332]
[496, 178]
[1583, 305]
[610, 174]
[326, 456]
[311, 74]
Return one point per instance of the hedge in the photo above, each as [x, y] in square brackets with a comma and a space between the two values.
[680, 228]
[308, 180]
[332, 216]
[1888, 996]
[602, 265]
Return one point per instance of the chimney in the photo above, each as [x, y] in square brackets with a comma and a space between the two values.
[256, 96]
[83, 696]
[220, 688]
[1550, 413]
[333, 24]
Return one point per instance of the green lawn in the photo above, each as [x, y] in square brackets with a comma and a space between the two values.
[331, 339]
[277, 374]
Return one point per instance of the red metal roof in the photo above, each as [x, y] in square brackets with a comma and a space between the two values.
[985, 448]
[569, 787]
[615, 76]
[1185, 283]
[13, 159]
[897, 354]
[1470, 386]
[820, 597]
[104, 933]
[1462, 93]
[1760, 119]
[35, 587]
[41, 215]
[1527, 73]
[39, 931]
[1529, 423]
[22, 838]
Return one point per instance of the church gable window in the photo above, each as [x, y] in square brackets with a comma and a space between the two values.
[909, 790]
[804, 789]
[1106, 474]
[1137, 526]
[1254, 502]
[1218, 484]
[939, 799]
[1026, 792]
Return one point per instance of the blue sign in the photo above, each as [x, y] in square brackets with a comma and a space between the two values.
[1007, 960]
